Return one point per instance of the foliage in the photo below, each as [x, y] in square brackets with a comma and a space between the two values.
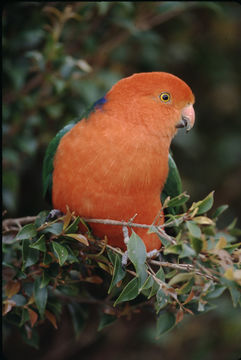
[60, 57]
[49, 264]
[57, 62]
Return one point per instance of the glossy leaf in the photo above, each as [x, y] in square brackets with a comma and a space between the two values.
[81, 238]
[219, 211]
[137, 255]
[178, 200]
[180, 278]
[197, 244]
[39, 244]
[40, 296]
[61, 252]
[129, 292]
[118, 272]
[105, 321]
[29, 256]
[27, 232]
[165, 322]
[203, 205]
[73, 227]
[161, 300]
[194, 229]
[55, 228]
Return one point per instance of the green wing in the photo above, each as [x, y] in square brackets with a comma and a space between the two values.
[173, 185]
[48, 165]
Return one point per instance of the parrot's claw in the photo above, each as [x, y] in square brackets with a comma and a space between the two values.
[152, 254]
[53, 214]
[125, 234]
[124, 260]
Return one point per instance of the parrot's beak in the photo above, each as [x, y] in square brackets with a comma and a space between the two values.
[187, 118]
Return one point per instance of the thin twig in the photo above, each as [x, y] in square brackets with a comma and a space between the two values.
[185, 267]
[18, 221]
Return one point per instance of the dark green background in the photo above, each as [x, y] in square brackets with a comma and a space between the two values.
[58, 58]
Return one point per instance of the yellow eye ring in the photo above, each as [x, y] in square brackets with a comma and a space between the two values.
[165, 97]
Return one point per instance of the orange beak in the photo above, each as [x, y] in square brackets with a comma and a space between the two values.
[187, 118]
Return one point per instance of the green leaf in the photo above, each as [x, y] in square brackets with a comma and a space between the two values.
[171, 273]
[186, 251]
[204, 205]
[155, 287]
[55, 306]
[219, 289]
[25, 317]
[129, 292]
[41, 218]
[79, 316]
[29, 256]
[164, 241]
[105, 321]
[72, 228]
[39, 244]
[61, 252]
[27, 232]
[72, 257]
[173, 184]
[19, 299]
[55, 228]
[234, 290]
[180, 278]
[162, 300]
[219, 211]
[40, 296]
[187, 287]
[197, 244]
[137, 255]
[47, 259]
[194, 229]
[148, 283]
[174, 220]
[118, 272]
[45, 279]
[178, 200]
[165, 322]
[173, 249]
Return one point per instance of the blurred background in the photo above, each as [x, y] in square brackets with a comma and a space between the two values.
[58, 58]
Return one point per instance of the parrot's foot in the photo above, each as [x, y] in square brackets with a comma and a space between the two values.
[53, 214]
[124, 260]
[152, 254]
[125, 234]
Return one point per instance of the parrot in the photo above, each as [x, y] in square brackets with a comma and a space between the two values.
[114, 162]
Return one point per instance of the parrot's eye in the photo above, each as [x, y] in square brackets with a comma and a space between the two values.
[165, 97]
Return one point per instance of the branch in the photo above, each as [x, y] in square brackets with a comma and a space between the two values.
[7, 223]
[185, 267]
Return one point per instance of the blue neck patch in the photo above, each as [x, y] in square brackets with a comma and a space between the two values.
[99, 103]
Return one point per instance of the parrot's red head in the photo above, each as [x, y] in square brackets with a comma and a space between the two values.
[162, 101]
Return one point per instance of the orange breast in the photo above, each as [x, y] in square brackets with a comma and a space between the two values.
[111, 172]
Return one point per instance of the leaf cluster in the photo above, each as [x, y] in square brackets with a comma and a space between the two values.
[56, 264]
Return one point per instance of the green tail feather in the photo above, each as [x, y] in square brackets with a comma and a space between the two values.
[173, 185]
